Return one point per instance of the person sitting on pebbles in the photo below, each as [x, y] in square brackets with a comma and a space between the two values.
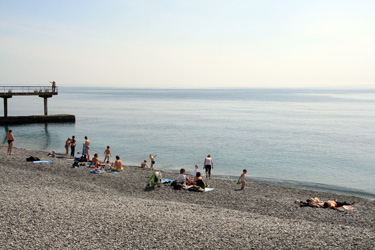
[144, 164]
[199, 184]
[182, 178]
[95, 161]
[118, 165]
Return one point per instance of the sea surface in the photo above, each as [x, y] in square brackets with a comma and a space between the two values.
[314, 139]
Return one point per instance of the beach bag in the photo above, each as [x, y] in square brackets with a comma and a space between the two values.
[32, 158]
[176, 185]
[83, 158]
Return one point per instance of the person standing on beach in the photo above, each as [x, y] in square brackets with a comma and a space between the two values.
[73, 146]
[152, 157]
[196, 170]
[107, 154]
[87, 147]
[10, 139]
[243, 179]
[67, 145]
[208, 165]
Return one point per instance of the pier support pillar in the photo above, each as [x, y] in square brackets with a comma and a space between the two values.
[45, 97]
[45, 106]
[6, 105]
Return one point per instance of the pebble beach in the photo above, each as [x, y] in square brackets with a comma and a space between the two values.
[54, 206]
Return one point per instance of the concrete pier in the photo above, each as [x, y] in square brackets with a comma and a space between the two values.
[44, 92]
[11, 120]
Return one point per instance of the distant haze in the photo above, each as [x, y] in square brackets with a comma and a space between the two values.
[188, 43]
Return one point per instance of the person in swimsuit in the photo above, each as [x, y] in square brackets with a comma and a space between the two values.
[87, 147]
[107, 154]
[118, 165]
[67, 145]
[152, 161]
[10, 139]
[208, 165]
[73, 146]
[96, 161]
[336, 204]
[242, 179]
[144, 164]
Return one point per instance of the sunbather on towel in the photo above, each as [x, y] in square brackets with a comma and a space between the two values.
[118, 165]
[336, 204]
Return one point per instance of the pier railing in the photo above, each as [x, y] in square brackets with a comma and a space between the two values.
[27, 89]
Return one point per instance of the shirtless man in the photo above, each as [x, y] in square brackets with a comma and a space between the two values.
[96, 161]
[152, 157]
[144, 164]
[10, 139]
[87, 148]
[118, 165]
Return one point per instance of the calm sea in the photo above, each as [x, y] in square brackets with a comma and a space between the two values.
[317, 139]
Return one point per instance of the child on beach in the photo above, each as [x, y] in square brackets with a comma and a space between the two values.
[107, 154]
[152, 157]
[144, 164]
[242, 179]
[107, 166]
[195, 170]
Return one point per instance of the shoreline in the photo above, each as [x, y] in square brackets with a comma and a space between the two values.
[52, 205]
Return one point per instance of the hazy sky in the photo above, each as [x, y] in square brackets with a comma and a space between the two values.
[188, 43]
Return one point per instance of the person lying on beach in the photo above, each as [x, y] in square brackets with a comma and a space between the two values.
[311, 202]
[144, 164]
[336, 204]
[118, 165]
[315, 202]
[107, 154]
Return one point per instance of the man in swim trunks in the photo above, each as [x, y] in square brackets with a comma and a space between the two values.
[87, 147]
[10, 139]
[208, 165]
[152, 157]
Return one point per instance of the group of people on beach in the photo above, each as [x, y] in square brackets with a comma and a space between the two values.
[95, 162]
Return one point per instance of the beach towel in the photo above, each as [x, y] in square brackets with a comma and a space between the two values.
[96, 171]
[345, 207]
[42, 161]
[167, 180]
